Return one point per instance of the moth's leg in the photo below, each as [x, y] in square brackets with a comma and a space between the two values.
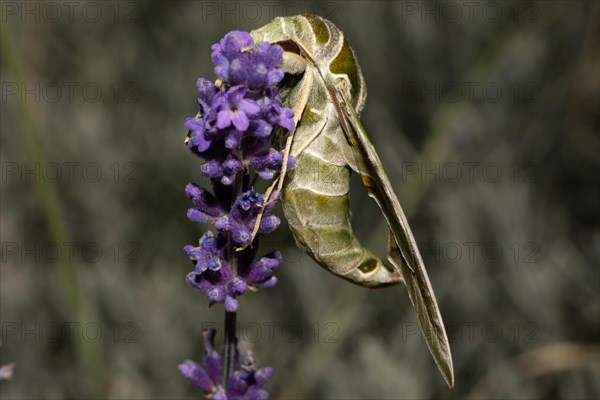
[298, 109]
[292, 63]
[279, 181]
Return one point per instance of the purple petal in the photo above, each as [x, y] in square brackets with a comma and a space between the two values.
[258, 75]
[192, 280]
[274, 77]
[262, 376]
[286, 119]
[206, 90]
[203, 200]
[240, 234]
[206, 254]
[194, 124]
[236, 287]
[258, 274]
[216, 47]
[237, 385]
[274, 55]
[232, 166]
[247, 206]
[249, 107]
[233, 139]
[216, 294]
[255, 394]
[224, 118]
[235, 41]
[222, 223]
[267, 163]
[198, 216]
[262, 49]
[261, 128]
[291, 163]
[198, 141]
[196, 375]
[221, 65]
[212, 169]
[238, 70]
[235, 94]
[266, 174]
[231, 304]
[239, 119]
[213, 360]
[193, 191]
[219, 394]
[268, 224]
[262, 269]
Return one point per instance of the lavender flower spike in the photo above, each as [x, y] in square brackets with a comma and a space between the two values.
[237, 122]
[244, 384]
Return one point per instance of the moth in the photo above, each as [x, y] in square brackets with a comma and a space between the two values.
[326, 89]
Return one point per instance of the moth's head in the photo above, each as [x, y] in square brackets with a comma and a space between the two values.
[279, 31]
[314, 40]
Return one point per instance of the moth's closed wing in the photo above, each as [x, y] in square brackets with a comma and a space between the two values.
[328, 142]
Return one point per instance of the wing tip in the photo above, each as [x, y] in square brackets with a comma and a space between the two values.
[445, 366]
[449, 377]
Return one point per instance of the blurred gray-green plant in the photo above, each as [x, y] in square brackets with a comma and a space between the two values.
[514, 259]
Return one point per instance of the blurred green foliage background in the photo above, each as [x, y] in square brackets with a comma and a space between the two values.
[486, 117]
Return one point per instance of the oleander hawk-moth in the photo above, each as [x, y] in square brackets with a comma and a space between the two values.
[325, 87]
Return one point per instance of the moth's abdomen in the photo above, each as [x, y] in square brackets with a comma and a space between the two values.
[316, 205]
